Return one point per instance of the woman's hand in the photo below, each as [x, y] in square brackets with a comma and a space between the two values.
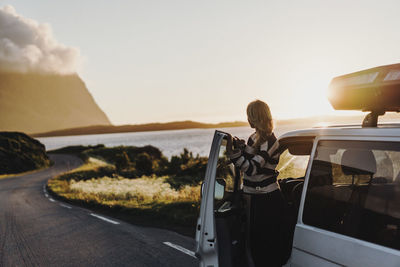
[239, 143]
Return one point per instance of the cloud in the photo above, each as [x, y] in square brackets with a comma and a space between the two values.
[29, 46]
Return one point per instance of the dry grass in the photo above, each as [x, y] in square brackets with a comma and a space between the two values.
[150, 200]
[91, 164]
[132, 193]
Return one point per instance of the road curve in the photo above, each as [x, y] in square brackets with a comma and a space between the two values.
[36, 230]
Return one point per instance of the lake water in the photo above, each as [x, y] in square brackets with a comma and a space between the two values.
[170, 142]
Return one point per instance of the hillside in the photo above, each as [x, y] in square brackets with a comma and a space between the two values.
[20, 153]
[180, 125]
[32, 103]
[176, 125]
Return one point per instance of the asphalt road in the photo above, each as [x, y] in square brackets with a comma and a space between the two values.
[36, 230]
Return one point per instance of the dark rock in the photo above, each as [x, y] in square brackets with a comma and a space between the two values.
[20, 153]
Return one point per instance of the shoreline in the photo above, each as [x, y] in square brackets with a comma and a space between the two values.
[186, 125]
[152, 127]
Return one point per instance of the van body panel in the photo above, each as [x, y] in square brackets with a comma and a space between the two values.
[311, 242]
[339, 249]
[302, 259]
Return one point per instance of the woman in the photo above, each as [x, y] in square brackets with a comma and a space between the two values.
[258, 160]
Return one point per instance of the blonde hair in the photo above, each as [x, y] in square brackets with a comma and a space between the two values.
[260, 118]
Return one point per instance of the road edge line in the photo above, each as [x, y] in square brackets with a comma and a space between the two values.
[65, 206]
[104, 218]
[181, 249]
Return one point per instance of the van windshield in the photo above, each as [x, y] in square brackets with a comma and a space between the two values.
[293, 166]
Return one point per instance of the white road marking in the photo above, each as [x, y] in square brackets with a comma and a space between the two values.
[103, 218]
[65, 206]
[46, 195]
[52, 200]
[181, 249]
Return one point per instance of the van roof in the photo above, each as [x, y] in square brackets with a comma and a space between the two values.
[382, 130]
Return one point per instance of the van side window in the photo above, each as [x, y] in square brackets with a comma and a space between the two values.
[225, 179]
[354, 190]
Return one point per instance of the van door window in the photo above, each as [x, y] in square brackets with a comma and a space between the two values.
[229, 213]
[354, 190]
[225, 178]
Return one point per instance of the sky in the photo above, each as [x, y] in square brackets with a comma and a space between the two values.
[159, 61]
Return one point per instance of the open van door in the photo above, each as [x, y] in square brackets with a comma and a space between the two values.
[220, 232]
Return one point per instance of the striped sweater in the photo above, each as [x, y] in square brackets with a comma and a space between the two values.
[258, 165]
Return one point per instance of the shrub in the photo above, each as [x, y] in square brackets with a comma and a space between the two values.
[122, 161]
[186, 169]
[133, 162]
[88, 174]
[130, 160]
[144, 164]
[75, 149]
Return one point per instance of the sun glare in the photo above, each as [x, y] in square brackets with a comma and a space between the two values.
[308, 96]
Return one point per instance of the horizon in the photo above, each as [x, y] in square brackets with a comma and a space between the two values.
[305, 122]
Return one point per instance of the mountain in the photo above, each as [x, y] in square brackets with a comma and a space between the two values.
[32, 102]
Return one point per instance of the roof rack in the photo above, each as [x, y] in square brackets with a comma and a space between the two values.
[371, 120]
[352, 125]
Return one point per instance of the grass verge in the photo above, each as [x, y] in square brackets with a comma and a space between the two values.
[148, 200]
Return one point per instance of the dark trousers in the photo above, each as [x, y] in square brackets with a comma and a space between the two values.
[267, 233]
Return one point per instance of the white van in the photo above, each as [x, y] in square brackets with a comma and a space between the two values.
[342, 185]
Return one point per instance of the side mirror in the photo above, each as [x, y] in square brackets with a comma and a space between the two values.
[220, 185]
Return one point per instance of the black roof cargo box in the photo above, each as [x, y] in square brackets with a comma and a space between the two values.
[376, 89]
